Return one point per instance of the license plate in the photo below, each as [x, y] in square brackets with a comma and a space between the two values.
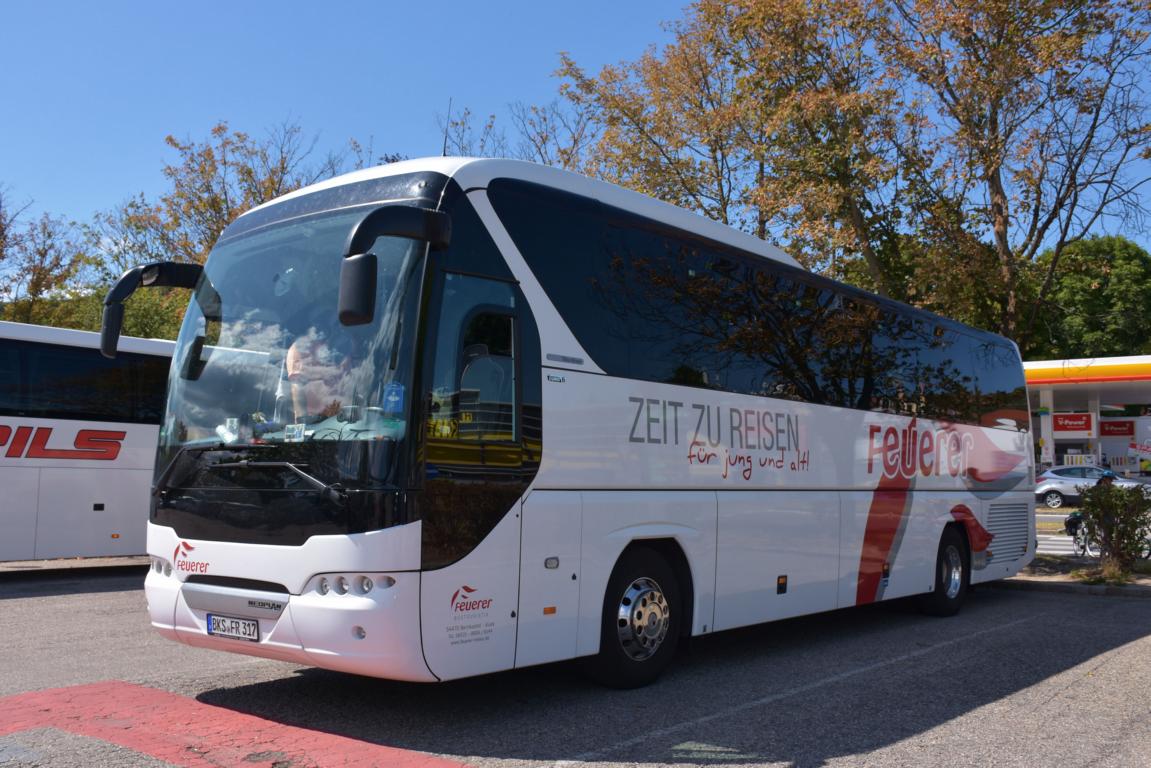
[228, 626]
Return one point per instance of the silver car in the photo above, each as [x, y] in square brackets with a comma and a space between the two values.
[1060, 485]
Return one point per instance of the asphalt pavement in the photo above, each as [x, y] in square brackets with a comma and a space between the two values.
[85, 681]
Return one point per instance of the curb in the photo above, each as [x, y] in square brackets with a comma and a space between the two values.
[1070, 587]
[64, 565]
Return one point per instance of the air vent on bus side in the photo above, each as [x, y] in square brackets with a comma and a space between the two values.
[1008, 524]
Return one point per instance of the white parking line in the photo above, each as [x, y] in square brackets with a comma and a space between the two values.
[600, 754]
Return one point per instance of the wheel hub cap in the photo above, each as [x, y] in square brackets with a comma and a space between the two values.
[643, 619]
[952, 571]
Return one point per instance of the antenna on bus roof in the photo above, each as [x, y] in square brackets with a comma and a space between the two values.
[447, 126]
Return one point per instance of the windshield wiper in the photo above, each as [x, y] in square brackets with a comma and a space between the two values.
[334, 493]
[162, 481]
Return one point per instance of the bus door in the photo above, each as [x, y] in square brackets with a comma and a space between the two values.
[476, 471]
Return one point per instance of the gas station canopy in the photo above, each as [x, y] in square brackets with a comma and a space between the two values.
[1071, 398]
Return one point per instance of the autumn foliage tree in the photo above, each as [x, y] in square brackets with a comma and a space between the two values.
[927, 151]
[1033, 111]
[211, 182]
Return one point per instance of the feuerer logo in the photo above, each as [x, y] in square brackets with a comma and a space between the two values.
[182, 561]
[462, 601]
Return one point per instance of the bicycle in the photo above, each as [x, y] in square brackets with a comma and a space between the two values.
[1085, 546]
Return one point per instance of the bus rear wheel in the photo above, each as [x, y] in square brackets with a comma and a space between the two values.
[952, 576]
[641, 621]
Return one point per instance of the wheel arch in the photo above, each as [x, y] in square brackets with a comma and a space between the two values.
[962, 530]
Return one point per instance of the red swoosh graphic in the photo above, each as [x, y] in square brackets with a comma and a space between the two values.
[979, 536]
[888, 507]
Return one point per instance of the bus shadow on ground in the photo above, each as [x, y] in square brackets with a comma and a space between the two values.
[803, 691]
[79, 581]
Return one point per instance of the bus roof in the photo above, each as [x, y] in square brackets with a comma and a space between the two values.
[473, 173]
[68, 337]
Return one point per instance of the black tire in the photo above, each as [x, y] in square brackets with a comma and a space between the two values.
[641, 622]
[1053, 499]
[952, 576]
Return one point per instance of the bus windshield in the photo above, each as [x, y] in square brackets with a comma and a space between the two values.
[263, 361]
[271, 362]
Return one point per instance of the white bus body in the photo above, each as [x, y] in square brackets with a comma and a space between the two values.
[544, 460]
[77, 442]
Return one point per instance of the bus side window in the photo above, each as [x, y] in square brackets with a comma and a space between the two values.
[11, 398]
[473, 378]
[487, 380]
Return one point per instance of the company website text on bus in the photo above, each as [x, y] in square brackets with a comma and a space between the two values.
[447, 417]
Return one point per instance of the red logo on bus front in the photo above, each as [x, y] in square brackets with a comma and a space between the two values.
[182, 561]
[462, 601]
[32, 443]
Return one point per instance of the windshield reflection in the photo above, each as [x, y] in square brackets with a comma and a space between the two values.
[273, 364]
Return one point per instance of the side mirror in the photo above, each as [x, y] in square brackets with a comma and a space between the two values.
[357, 304]
[155, 275]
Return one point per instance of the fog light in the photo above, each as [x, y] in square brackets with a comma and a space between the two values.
[342, 585]
[366, 584]
[167, 569]
[324, 586]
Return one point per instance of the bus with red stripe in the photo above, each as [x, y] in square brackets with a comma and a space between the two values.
[447, 417]
[77, 442]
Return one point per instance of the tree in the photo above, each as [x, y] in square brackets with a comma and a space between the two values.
[670, 125]
[1120, 520]
[211, 183]
[1099, 303]
[553, 134]
[216, 180]
[463, 139]
[1034, 111]
[928, 151]
[41, 260]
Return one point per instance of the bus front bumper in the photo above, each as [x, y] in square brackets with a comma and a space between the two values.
[374, 633]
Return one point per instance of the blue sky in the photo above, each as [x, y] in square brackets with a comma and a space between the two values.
[90, 89]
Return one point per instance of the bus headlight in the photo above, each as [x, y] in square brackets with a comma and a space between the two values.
[353, 584]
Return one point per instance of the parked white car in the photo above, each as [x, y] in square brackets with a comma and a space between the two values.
[1060, 485]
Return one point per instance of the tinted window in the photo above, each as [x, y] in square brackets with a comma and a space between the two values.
[10, 399]
[653, 303]
[482, 438]
[1002, 388]
[56, 381]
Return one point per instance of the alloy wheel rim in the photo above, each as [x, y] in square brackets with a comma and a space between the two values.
[952, 571]
[642, 619]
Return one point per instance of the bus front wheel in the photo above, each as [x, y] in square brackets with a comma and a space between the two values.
[641, 621]
[952, 576]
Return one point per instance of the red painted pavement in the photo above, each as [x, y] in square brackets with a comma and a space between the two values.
[186, 732]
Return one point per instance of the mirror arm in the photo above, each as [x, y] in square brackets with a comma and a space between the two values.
[433, 227]
[357, 301]
[154, 275]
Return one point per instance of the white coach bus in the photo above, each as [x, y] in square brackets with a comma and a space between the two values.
[481, 414]
[77, 442]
